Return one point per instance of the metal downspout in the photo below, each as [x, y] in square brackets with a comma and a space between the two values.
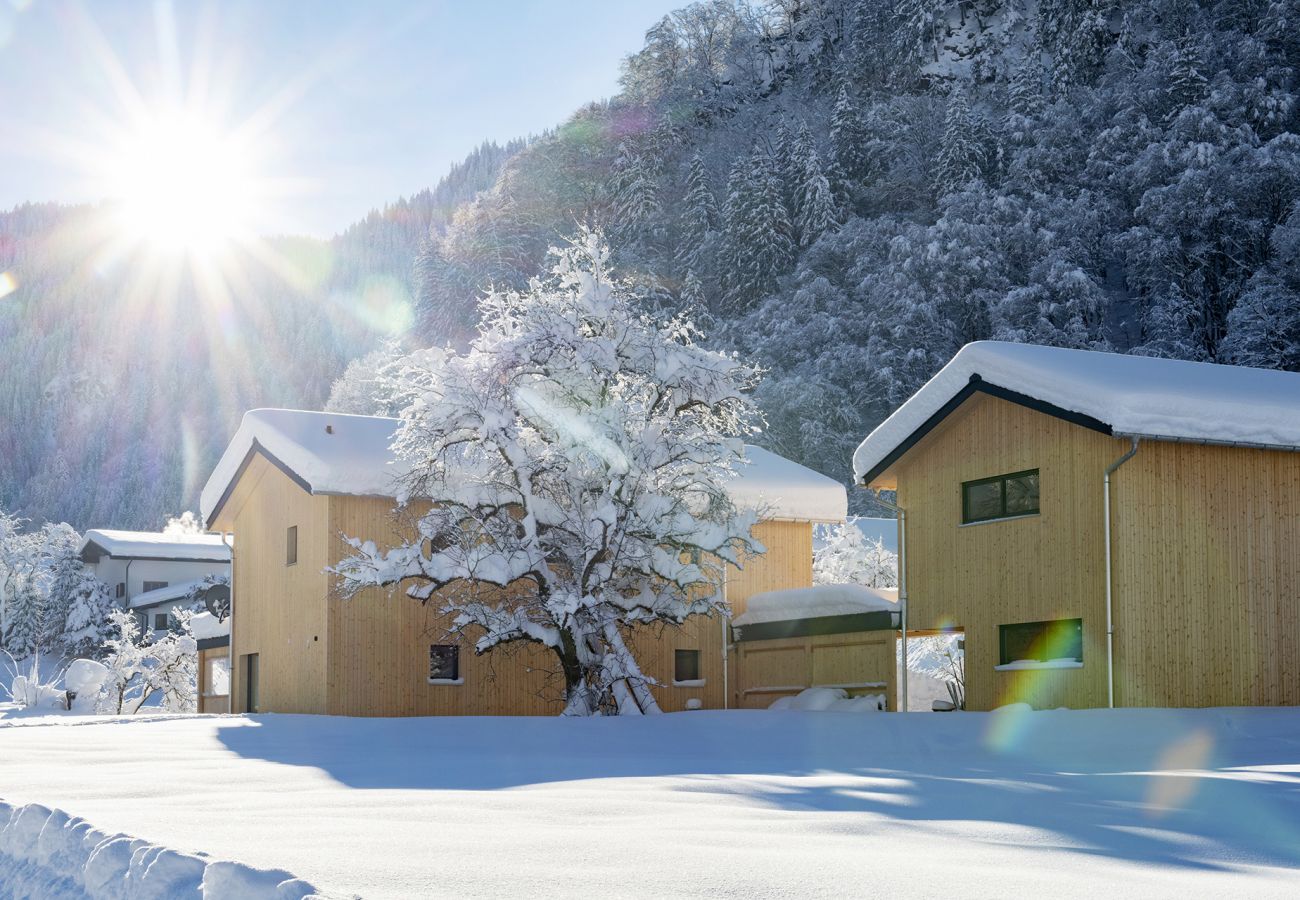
[230, 644]
[1110, 618]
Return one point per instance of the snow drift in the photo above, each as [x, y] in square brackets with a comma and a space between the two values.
[47, 853]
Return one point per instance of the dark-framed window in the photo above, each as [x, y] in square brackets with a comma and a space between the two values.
[160, 620]
[121, 590]
[999, 497]
[1059, 639]
[154, 586]
[444, 662]
[291, 546]
[686, 665]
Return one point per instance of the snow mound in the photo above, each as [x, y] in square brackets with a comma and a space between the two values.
[1165, 399]
[815, 602]
[205, 626]
[47, 853]
[829, 700]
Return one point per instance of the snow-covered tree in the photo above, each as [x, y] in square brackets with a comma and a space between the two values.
[846, 556]
[959, 154]
[576, 459]
[167, 666]
[361, 389]
[698, 234]
[187, 523]
[848, 137]
[758, 232]
[814, 200]
[86, 625]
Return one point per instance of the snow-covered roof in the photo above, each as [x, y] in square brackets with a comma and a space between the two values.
[164, 594]
[205, 626]
[328, 453]
[154, 545]
[815, 602]
[1142, 396]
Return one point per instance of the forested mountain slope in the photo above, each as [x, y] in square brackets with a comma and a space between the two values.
[848, 189]
[854, 189]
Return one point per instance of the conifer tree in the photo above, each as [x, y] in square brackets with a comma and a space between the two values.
[848, 138]
[759, 238]
[959, 152]
[699, 221]
[815, 202]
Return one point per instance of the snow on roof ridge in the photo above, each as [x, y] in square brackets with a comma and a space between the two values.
[1166, 399]
[121, 543]
[353, 457]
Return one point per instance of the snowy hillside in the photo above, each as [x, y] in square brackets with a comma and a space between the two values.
[1151, 803]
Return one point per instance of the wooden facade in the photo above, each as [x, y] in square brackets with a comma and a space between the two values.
[1206, 560]
[369, 656]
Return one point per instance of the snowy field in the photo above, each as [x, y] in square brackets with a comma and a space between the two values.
[1151, 803]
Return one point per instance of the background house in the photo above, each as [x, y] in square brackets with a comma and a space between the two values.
[153, 572]
[1001, 463]
[291, 483]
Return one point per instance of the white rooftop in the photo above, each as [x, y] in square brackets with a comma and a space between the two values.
[1142, 396]
[330, 453]
[815, 602]
[162, 595]
[156, 545]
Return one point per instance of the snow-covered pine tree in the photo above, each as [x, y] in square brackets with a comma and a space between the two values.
[759, 235]
[846, 556]
[959, 153]
[815, 202]
[698, 234]
[636, 196]
[29, 620]
[848, 138]
[575, 459]
[1024, 99]
[86, 625]
[1264, 326]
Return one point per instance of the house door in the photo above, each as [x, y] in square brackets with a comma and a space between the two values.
[250, 682]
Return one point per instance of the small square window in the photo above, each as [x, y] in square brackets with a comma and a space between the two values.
[1056, 641]
[291, 546]
[686, 665]
[444, 662]
[160, 620]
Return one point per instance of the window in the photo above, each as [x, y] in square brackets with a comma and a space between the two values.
[121, 590]
[154, 586]
[160, 620]
[1001, 497]
[291, 546]
[1058, 643]
[217, 676]
[686, 665]
[444, 662]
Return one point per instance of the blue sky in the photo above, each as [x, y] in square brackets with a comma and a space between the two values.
[354, 104]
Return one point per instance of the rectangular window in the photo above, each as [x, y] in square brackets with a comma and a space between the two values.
[121, 590]
[444, 662]
[686, 665]
[1059, 642]
[154, 586]
[291, 546]
[1000, 497]
[160, 620]
[217, 676]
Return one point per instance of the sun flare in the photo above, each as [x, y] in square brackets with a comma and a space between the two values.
[182, 184]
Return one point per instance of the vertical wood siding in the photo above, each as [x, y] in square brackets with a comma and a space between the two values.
[1207, 561]
[769, 670]
[279, 609]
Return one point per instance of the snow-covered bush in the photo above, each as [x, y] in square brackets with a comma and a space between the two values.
[31, 685]
[576, 458]
[848, 557]
[167, 666]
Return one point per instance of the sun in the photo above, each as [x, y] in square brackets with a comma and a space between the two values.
[182, 184]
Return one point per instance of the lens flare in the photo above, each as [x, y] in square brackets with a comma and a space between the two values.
[8, 284]
[1179, 773]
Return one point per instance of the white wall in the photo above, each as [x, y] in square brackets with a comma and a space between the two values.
[113, 571]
